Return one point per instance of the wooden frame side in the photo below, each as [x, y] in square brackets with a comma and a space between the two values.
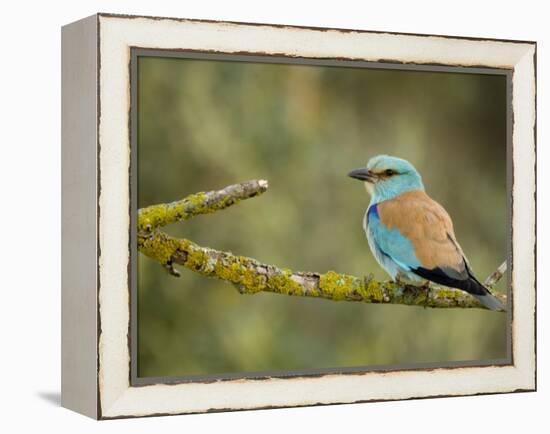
[118, 397]
[79, 217]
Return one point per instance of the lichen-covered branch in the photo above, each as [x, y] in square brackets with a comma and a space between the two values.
[251, 276]
[156, 216]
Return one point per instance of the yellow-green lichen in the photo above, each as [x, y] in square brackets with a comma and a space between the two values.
[241, 271]
[158, 246]
[151, 217]
[372, 291]
[196, 258]
[337, 286]
[251, 277]
[156, 216]
[281, 282]
[198, 203]
[191, 205]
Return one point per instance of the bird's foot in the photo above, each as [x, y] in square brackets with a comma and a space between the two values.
[367, 279]
[399, 282]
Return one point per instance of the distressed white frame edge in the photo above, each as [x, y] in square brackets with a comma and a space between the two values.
[117, 397]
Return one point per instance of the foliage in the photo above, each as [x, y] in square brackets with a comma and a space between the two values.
[205, 124]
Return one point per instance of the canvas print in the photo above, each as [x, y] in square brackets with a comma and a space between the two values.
[305, 218]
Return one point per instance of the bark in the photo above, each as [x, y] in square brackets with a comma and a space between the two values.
[250, 276]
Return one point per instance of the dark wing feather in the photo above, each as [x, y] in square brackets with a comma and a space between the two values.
[449, 277]
[469, 284]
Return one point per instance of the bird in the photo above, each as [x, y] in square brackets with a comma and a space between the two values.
[411, 235]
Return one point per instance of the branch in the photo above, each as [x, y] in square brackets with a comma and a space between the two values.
[493, 279]
[155, 216]
[251, 276]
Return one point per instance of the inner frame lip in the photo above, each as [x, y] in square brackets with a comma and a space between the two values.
[252, 57]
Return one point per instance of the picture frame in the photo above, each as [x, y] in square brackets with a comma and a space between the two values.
[99, 214]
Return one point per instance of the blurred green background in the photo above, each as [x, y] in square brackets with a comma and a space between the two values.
[203, 125]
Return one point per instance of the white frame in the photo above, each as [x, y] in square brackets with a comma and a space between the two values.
[112, 395]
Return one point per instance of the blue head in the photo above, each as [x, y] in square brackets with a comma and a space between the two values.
[386, 177]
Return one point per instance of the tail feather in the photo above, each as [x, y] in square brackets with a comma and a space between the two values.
[489, 301]
[469, 284]
[479, 291]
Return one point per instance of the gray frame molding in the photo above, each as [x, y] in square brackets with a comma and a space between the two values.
[96, 211]
[137, 52]
[79, 246]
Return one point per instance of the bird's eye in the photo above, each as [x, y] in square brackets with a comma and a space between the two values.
[389, 172]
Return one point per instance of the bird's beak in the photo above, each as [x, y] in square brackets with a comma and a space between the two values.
[362, 174]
